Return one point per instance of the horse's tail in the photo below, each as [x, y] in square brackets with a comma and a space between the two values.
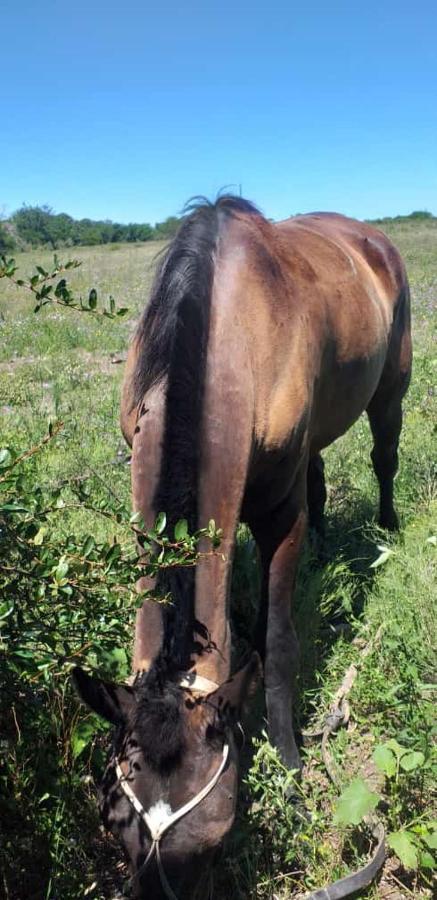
[172, 342]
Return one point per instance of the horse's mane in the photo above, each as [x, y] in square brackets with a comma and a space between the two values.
[184, 272]
[172, 339]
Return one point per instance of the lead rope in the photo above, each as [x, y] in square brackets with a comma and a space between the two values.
[157, 829]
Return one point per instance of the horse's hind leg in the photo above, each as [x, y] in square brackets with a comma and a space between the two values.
[385, 417]
[385, 409]
[316, 494]
[279, 537]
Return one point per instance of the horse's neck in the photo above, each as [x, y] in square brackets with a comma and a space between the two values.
[226, 444]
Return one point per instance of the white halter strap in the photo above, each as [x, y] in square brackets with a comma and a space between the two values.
[161, 820]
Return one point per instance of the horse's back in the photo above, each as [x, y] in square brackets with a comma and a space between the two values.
[341, 249]
[321, 293]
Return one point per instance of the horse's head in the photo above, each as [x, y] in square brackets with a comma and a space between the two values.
[170, 787]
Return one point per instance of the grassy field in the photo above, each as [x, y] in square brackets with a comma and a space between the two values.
[63, 365]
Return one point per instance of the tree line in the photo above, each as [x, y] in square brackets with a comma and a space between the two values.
[36, 226]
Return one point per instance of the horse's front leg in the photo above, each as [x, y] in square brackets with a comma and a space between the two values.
[280, 542]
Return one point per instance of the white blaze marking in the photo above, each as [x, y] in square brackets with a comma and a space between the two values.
[159, 814]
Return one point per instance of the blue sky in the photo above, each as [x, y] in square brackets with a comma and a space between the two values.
[125, 110]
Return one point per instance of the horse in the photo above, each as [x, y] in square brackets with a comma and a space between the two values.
[261, 344]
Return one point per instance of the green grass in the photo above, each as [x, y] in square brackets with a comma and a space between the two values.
[58, 364]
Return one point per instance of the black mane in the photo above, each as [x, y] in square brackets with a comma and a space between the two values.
[185, 272]
[158, 720]
[172, 339]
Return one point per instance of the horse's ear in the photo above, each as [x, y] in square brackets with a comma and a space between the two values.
[111, 701]
[232, 695]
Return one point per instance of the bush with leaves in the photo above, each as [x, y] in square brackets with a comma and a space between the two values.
[64, 600]
[413, 840]
[49, 289]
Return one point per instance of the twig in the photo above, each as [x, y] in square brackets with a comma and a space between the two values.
[16, 724]
[403, 886]
[55, 429]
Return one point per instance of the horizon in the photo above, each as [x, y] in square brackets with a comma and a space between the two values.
[126, 117]
[419, 213]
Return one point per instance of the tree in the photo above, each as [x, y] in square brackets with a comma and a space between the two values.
[33, 224]
[167, 229]
[59, 228]
[7, 243]
[37, 225]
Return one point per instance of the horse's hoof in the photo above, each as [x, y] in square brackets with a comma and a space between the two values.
[389, 521]
[295, 764]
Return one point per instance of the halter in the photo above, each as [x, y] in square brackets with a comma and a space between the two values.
[159, 818]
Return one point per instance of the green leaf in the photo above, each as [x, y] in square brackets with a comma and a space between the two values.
[181, 530]
[5, 609]
[113, 554]
[412, 761]
[61, 288]
[81, 737]
[385, 760]
[89, 545]
[426, 860]
[405, 848]
[397, 749]
[61, 569]
[430, 840]
[160, 523]
[6, 458]
[116, 661]
[92, 298]
[136, 518]
[39, 537]
[13, 507]
[355, 802]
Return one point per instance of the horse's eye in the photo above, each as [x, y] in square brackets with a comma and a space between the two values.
[215, 733]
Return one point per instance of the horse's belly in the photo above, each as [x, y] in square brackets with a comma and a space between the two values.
[341, 397]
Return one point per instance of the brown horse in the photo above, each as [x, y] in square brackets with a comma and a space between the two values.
[261, 344]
